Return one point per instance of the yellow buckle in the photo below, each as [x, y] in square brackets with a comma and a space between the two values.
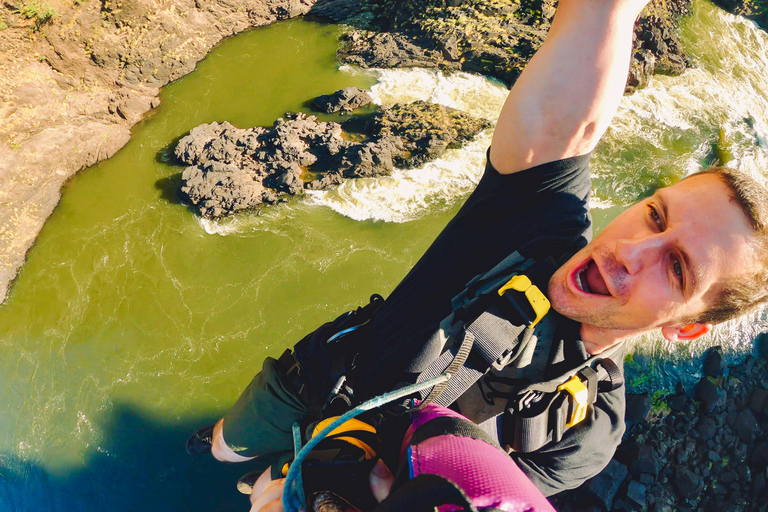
[538, 301]
[580, 395]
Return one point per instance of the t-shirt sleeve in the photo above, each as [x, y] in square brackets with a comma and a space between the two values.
[582, 453]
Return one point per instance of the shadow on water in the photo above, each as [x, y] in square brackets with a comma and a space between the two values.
[167, 156]
[141, 465]
[170, 188]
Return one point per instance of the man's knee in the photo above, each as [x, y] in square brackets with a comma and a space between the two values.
[219, 448]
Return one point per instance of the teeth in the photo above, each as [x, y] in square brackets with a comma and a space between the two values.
[582, 282]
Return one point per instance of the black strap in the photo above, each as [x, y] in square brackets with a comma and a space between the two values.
[423, 494]
[447, 425]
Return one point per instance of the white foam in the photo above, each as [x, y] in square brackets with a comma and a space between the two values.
[409, 194]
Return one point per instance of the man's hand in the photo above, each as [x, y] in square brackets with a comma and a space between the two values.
[267, 493]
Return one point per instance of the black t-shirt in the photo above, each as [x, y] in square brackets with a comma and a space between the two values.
[539, 212]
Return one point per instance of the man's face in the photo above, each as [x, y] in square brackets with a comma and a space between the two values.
[661, 262]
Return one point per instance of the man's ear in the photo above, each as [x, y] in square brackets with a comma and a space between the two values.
[685, 332]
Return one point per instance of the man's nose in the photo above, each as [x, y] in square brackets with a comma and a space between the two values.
[639, 253]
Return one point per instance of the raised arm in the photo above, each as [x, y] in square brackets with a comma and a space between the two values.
[567, 95]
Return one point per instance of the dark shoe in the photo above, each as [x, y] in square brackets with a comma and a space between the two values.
[246, 482]
[201, 441]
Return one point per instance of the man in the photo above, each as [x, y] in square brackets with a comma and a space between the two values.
[690, 255]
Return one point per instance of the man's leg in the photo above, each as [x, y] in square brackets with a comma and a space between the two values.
[219, 448]
[258, 425]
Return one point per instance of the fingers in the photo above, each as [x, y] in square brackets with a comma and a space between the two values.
[261, 483]
[271, 499]
[380, 479]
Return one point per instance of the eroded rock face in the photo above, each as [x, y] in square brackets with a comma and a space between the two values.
[346, 100]
[495, 38]
[71, 88]
[232, 169]
[756, 10]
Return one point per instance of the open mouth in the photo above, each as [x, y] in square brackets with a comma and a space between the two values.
[589, 279]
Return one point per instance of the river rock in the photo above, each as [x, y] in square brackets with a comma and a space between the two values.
[346, 100]
[762, 345]
[746, 426]
[636, 492]
[758, 402]
[759, 456]
[638, 407]
[688, 483]
[647, 462]
[756, 10]
[713, 363]
[605, 485]
[231, 169]
[708, 393]
[496, 38]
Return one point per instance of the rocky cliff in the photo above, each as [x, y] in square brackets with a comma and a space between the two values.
[76, 75]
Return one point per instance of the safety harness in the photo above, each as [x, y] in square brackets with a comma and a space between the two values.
[490, 327]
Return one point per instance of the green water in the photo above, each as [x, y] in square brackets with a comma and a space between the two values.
[130, 326]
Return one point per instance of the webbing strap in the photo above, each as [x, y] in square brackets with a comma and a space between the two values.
[550, 386]
[496, 337]
[467, 341]
[495, 342]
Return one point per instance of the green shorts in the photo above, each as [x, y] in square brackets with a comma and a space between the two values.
[260, 423]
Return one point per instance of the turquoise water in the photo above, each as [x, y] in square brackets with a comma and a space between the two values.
[134, 322]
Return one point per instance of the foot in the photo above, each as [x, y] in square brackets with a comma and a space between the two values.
[201, 441]
[246, 482]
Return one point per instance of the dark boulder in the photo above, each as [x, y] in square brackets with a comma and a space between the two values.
[714, 363]
[762, 345]
[605, 485]
[346, 100]
[638, 407]
[708, 393]
[647, 461]
[636, 492]
[688, 483]
[746, 426]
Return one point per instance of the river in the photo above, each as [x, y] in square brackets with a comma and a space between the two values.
[134, 322]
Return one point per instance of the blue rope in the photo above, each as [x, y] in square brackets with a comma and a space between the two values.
[296, 439]
[294, 499]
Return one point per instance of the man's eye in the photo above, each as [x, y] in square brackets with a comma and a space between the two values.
[678, 268]
[654, 214]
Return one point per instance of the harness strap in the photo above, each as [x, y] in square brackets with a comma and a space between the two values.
[467, 341]
[497, 325]
[539, 417]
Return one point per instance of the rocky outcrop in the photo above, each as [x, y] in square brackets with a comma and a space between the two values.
[73, 84]
[756, 10]
[231, 170]
[495, 38]
[345, 100]
[688, 451]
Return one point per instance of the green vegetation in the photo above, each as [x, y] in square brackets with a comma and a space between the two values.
[41, 12]
[15, 146]
[659, 406]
